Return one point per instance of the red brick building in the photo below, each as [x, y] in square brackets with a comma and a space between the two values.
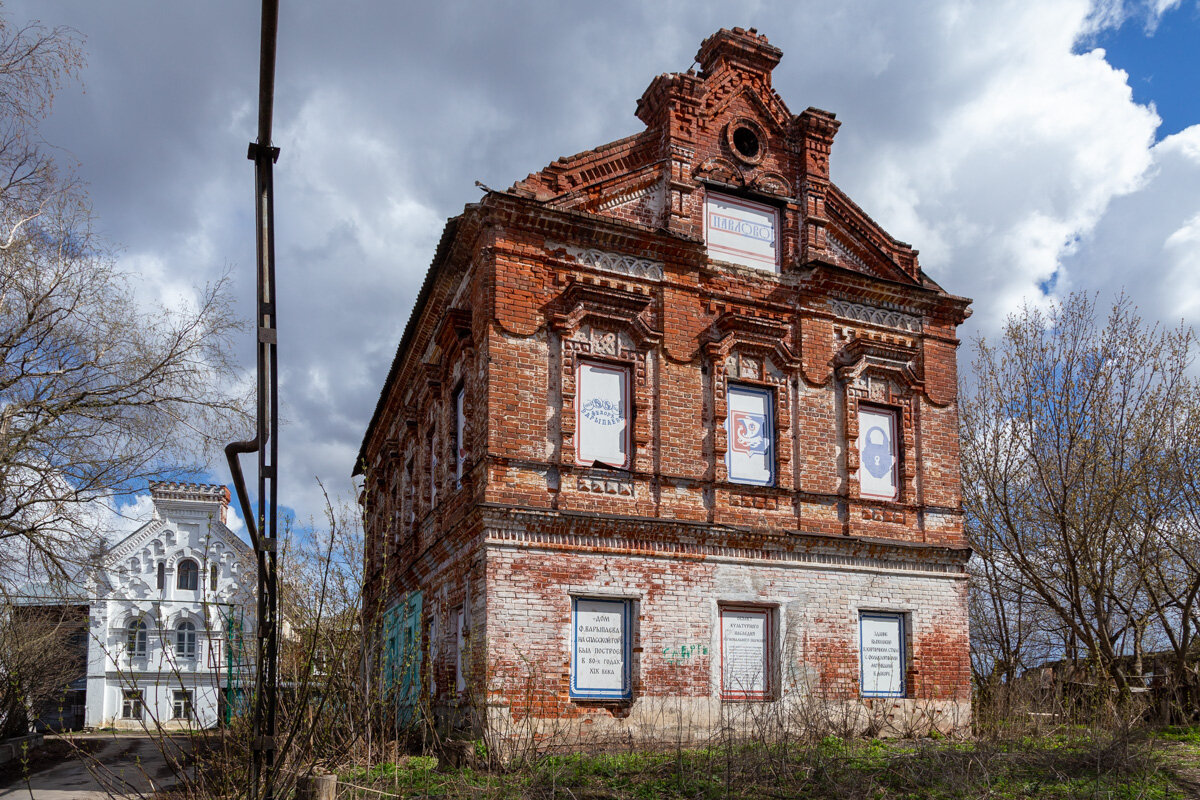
[672, 434]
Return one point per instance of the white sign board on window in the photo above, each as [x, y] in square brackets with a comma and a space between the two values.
[600, 648]
[881, 654]
[745, 652]
[877, 454]
[602, 415]
[742, 232]
[750, 425]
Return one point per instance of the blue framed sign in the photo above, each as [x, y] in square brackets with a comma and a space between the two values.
[600, 649]
[750, 425]
[881, 654]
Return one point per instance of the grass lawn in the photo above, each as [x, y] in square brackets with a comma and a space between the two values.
[1068, 764]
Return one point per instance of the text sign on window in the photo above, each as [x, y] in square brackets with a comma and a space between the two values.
[602, 415]
[750, 426]
[877, 454]
[600, 645]
[881, 654]
[742, 232]
[745, 652]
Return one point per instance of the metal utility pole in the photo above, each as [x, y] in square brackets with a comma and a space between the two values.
[262, 525]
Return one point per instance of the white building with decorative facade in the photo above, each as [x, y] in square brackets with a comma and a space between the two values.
[170, 617]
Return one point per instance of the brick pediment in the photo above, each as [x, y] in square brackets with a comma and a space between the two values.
[581, 302]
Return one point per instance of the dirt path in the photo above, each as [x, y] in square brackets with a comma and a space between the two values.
[121, 766]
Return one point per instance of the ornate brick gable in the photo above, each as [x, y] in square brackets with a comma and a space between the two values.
[658, 178]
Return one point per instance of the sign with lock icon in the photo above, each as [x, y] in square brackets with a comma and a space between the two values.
[877, 453]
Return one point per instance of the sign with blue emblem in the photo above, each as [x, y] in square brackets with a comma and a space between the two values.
[877, 453]
[750, 425]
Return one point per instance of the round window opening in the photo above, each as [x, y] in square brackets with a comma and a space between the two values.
[745, 141]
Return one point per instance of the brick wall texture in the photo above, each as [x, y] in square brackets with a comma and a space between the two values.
[601, 258]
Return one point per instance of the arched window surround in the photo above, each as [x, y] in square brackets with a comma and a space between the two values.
[136, 637]
[187, 575]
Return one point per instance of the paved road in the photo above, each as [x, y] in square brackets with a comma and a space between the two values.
[123, 766]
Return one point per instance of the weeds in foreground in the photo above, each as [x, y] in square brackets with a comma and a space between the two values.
[1067, 764]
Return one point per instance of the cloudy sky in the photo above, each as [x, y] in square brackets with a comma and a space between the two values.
[1026, 149]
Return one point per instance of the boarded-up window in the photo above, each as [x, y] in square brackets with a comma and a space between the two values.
[460, 644]
[602, 415]
[460, 445]
[745, 653]
[433, 467]
[741, 232]
[882, 655]
[877, 456]
[600, 648]
[750, 425]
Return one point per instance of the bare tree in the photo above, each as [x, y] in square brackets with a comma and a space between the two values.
[43, 647]
[98, 392]
[1065, 436]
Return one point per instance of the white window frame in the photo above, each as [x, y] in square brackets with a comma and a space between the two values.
[580, 688]
[186, 640]
[900, 618]
[767, 615]
[584, 455]
[725, 252]
[184, 695]
[731, 389]
[132, 704]
[136, 638]
[863, 432]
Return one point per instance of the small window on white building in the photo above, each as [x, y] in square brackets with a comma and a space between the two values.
[187, 575]
[602, 419]
[135, 638]
[741, 232]
[877, 453]
[162, 575]
[750, 425]
[185, 640]
[601, 647]
[883, 658]
[131, 704]
[213, 573]
[746, 668]
[460, 445]
[181, 705]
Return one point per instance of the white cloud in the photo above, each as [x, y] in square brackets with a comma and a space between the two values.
[974, 131]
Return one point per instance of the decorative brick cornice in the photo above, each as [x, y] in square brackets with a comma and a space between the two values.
[620, 263]
[689, 541]
[873, 315]
[189, 492]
